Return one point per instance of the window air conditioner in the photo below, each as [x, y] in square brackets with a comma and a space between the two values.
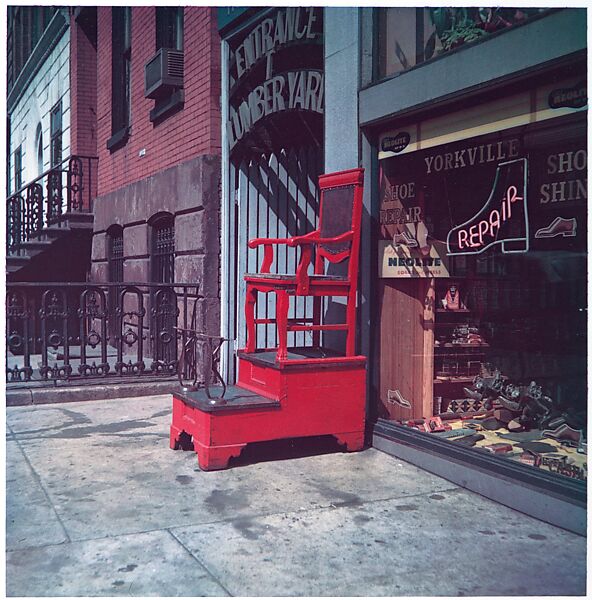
[163, 73]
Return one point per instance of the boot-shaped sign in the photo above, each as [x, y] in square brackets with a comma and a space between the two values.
[503, 219]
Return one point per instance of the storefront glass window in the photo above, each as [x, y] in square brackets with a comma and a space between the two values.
[496, 228]
[410, 36]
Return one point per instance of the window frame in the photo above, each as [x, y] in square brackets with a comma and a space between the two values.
[18, 167]
[175, 17]
[55, 134]
[159, 272]
[121, 58]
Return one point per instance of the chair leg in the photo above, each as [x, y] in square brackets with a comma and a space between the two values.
[281, 316]
[316, 320]
[350, 344]
[250, 301]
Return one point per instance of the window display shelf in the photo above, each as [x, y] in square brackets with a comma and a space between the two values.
[448, 345]
[454, 379]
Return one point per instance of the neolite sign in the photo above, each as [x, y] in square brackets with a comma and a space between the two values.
[572, 97]
[297, 89]
[396, 143]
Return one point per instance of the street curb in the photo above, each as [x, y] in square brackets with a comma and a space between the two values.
[29, 396]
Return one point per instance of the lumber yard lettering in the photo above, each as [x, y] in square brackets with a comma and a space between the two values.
[302, 90]
[298, 89]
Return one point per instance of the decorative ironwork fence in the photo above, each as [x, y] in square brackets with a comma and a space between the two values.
[68, 188]
[66, 332]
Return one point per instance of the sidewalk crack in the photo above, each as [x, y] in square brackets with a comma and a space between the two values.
[200, 563]
[39, 481]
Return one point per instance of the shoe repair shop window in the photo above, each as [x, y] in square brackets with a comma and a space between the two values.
[162, 270]
[115, 266]
[499, 222]
[276, 150]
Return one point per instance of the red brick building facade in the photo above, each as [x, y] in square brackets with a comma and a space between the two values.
[159, 176]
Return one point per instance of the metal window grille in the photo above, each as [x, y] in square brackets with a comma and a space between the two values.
[163, 271]
[116, 257]
[163, 252]
[115, 276]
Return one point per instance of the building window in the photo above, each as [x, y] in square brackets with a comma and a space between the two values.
[169, 27]
[162, 258]
[18, 169]
[56, 135]
[506, 285]
[26, 25]
[120, 75]
[408, 37]
[115, 273]
[39, 145]
[115, 258]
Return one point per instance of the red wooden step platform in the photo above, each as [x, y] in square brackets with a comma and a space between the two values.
[313, 392]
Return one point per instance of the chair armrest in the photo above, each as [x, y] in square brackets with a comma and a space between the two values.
[267, 241]
[267, 244]
[315, 239]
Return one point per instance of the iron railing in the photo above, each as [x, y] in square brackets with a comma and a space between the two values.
[67, 188]
[64, 332]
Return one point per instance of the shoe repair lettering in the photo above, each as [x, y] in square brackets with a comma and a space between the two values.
[572, 189]
[474, 236]
[401, 215]
[475, 155]
[399, 191]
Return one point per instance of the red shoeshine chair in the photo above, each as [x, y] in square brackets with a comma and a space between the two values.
[336, 239]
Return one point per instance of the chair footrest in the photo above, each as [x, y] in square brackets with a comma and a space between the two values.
[235, 398]
[332, 327]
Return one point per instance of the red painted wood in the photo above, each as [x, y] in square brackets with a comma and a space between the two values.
[301, 283]
[327, 400]
[323, 395]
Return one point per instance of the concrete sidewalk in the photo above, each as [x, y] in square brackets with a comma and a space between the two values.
[98, 505]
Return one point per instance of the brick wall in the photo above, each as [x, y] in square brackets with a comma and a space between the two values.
[83, 85]
[193, 131]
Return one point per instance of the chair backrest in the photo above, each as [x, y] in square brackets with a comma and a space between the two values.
[340, 212]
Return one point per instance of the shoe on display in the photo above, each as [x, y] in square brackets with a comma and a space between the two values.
[563, 432]
[559, 226]
[515, 426]
[404, 239]
[469, 440]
